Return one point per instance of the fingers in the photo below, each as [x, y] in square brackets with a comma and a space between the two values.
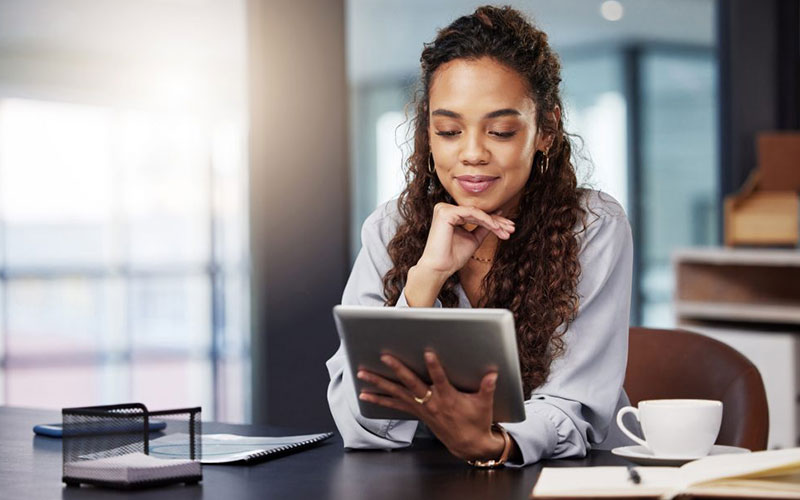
[409, 379]
[385, 401]
[497, 224]
[506, 224]
[488, 386]
[384, 385]
[459, 216]
[507, 229]
[437, 374]
[497, 217]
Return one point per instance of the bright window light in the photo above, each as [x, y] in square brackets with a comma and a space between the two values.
[390, 154]
[602, 126]
[107, 255]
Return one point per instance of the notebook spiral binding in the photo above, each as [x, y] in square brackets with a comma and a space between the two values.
[286, 449]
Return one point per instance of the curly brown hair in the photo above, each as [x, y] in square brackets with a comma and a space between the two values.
[534, 273]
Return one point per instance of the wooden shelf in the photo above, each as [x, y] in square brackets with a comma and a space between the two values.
[726, 311]
[736, 283]
[739, 256]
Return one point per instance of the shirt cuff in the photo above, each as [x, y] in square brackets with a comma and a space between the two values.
[361, 432]
[546, 432]
[379, 434]
[402, 302]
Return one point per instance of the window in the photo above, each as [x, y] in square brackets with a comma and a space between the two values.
[679, 168]
[594, 98]
[122, 257]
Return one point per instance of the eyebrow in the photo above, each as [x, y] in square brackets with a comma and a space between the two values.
[493, 114]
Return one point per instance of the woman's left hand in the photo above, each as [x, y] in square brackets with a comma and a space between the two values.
[461, 420]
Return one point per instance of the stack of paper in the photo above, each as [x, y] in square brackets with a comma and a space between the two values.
[130, 468]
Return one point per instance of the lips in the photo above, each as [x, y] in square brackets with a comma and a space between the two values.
[476, 183]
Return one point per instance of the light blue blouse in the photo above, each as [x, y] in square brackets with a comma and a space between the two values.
[571, 412]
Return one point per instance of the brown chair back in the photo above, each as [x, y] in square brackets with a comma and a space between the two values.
[667, 364]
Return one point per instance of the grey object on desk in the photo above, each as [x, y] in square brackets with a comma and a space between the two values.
[232, 448]
[109, 446]
[469, 343]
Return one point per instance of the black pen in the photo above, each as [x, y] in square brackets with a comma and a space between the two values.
[633, 476]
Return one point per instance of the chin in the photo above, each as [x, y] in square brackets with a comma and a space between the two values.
[486, 205]
[487, 201]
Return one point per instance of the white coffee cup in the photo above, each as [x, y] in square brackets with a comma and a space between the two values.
[676, 427]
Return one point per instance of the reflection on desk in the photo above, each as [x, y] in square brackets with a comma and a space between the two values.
[30, 468]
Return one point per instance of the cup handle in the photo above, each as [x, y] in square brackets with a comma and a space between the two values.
[620, 414]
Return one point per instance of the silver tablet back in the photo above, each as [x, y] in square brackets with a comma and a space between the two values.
[469, 342]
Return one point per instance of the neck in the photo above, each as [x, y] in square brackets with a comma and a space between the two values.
[488, 247]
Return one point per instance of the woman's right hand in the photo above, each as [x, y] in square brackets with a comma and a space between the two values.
[449, 246]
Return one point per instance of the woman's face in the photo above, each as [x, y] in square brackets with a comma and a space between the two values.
[482, 133]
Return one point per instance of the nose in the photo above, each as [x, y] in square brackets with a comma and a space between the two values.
[474, 150]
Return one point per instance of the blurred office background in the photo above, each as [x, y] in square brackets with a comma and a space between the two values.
[123, 228]
[639, 85]
[183, 182]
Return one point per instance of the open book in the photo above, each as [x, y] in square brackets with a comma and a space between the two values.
[762, 474]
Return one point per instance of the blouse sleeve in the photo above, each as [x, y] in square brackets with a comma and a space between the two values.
[365, 287]
[574, 408]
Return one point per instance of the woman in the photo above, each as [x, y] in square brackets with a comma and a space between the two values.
[492, 217]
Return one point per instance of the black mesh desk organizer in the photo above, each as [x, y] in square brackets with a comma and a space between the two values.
[102, 432]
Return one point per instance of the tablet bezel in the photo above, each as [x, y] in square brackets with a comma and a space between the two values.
[406, 332]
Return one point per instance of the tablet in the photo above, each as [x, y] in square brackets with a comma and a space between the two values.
[469, 342]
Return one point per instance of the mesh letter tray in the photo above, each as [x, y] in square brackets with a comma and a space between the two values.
[110, 446]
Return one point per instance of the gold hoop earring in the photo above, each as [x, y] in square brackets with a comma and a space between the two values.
[544, 163]
[431, 168]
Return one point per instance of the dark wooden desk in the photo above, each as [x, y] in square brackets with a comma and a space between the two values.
[30, 468]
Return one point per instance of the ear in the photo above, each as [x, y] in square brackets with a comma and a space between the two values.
[555, 118]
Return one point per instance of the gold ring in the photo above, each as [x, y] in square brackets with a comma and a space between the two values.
[424, 399]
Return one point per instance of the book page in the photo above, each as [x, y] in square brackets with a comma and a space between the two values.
[603, 481]
[746, 465]
[785, 486]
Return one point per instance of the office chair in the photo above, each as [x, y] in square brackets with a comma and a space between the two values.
[677, 364]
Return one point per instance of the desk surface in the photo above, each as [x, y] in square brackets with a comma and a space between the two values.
[30, 468]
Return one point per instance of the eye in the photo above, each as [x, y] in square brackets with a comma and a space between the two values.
[448, 133]
[504, 135]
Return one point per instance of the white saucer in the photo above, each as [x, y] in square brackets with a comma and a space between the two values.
[642, 456]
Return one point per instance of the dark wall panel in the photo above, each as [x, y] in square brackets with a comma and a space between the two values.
[748, 84]
[298, 203]
[759, 54]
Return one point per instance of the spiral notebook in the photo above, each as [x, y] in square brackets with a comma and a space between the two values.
[231, 448]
